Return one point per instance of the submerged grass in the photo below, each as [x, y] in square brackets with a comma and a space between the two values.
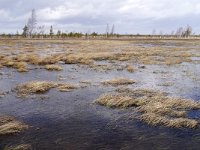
[155, 108]
[9, 125]
[19, 147]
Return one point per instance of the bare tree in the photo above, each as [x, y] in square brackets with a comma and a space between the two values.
[32, 23]
[107, 30]
[172, 32]
[184, 32]
[188, 31]
[58, 33]
[154, 32]
[51, 31]
[112, 30]
[179, 32]
[40, 30]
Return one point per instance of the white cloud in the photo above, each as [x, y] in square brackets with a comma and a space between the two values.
[128, 15]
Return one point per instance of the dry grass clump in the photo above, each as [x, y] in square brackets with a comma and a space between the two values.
[9, 125]
[38, 87]
[118, 81]
[53, 67]
[77, 59]
[66, 87]
[154, 119]
[19, 66]
[176, 60]
[116, 101]
[85, 81]
[130, 69]
[155, 108]
[34, 87]
[19, 147]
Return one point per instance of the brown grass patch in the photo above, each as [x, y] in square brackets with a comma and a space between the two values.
[116, 101]
[9, 125]
[118, 81]
[66, 87]
[154, 119]
[85, 81]
[38, 87]
[130, 69]
[86, 53]
[53, 67]
[154, 107]
[34, 87]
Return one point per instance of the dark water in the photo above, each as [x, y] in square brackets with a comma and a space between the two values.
[71, 121]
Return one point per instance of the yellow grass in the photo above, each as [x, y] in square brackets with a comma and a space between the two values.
[155, 107]
[116, 101]
[86, 53]
[154, 119]
[130, 69]
[66, 87]
[35, 87]
[53, 67]
[38, 87]
[118, 81]
[9, 125]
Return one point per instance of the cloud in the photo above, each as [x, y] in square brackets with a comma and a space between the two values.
[129, 16]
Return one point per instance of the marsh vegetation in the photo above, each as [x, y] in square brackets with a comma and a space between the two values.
[144, 90]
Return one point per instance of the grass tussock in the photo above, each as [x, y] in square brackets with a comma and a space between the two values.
[53, 67]
[20, 66]
[35, 87]
[19, 147]
[86, 53]
[118, 81]
[154, 119]
[130, 69]
[67, 87]
[38, 87]
[9, 125]
[155, 108]
[115, 101]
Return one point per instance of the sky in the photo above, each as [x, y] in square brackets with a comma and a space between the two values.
[87, 16]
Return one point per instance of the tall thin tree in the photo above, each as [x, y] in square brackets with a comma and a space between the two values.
[32, 23]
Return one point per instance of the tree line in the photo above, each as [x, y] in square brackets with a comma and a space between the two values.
[33, 30]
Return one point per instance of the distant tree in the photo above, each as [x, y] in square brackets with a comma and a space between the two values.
[94, 34]
[58, 33]
[51, 31]
[32, 23]
[188, 31]
[112, 30]
[40, 30]
[172, 33]
[180, 32]
[184, 32]
[25, 31]
[161, 33]
[154, 32]
[17, 33]
[107, 30]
